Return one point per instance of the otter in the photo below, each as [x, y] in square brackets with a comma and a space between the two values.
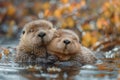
[34, 38]
[68, 51]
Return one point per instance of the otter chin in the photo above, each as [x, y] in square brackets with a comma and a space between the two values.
[66, 47]
[34, 39]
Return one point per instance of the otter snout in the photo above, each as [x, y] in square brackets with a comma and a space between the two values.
[42, 34]
[66, 42]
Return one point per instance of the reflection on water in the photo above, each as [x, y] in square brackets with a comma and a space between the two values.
[9, 70]
[12, 73]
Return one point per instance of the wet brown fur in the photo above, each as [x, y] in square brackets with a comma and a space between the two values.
[32, 46]
[74, 52]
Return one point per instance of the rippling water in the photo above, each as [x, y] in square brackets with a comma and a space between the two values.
[9, 70]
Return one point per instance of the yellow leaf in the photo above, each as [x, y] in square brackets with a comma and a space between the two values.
[70, 22]
[90, 38]
[46, 5]
[64, 25]
[11, 10]
[101, 22]
[82, 3]
[47, 13]
[57, 13]
[6, 52]
[64, 1]
[86, 26]
[86, 39]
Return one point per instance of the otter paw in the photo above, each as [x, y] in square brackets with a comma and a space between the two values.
[41, 60]
[51, 59]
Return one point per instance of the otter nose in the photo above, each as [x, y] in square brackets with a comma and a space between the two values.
[66, 42]
[41, 34]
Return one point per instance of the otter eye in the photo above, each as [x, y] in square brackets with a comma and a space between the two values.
[31, 30]
[23, 32]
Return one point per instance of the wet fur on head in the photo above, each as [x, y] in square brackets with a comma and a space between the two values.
[30, 39]
[74, 53]
[31, 31]
[57, 46]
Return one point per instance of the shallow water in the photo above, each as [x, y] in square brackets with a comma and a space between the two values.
[9, 70]
[18, 73]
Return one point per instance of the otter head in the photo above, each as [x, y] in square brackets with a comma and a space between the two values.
[65, 42]
[37, 33]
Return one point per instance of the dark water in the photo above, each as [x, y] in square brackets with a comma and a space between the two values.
[9, 70]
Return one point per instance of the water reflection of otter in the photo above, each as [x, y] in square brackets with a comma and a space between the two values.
[66, 73]
[66, 47]
[36, 35]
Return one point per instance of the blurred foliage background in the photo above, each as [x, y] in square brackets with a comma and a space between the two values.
[97, 22]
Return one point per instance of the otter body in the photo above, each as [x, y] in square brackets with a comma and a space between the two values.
[36, 35]
[66, 47]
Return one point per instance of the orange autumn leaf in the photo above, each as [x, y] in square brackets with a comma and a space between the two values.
[86, 26]
[107, 14]
[82, 3]
[47, 13]
[94, 40]
[71, 7]
[6, 52]
[86, 39]
[11, 10]
[78, 5]
[89, 39]
[64, 1]
[64, 25]
[46, 5]
[70, 22]
[57, 13]
[101, 22]
[105, 6]
[116, 18]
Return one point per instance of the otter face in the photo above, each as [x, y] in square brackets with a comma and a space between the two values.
[37, 33]
[65, 42]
